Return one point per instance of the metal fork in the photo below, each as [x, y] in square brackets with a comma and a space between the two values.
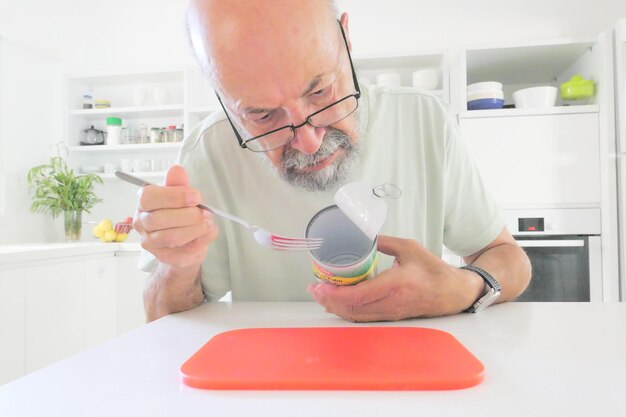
[263, 237]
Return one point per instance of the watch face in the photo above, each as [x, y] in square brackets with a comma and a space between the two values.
[485, 301]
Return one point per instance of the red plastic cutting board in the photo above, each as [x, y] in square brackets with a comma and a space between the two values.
[333, 358]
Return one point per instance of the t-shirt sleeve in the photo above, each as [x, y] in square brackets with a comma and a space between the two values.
[472, 217]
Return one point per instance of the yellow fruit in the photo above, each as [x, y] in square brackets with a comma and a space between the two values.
[105, 225]
[109, 235]
[121, 237]
[97, 231]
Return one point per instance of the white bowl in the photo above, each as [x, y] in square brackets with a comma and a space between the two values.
[485, 86]
[535, 97]
[478, 95]
[426, 79]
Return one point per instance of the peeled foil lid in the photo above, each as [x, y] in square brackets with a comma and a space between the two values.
[367, 210]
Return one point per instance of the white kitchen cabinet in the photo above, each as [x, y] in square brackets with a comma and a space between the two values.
[71, 306]
[12, 323]
[538, 160]
[130, 285]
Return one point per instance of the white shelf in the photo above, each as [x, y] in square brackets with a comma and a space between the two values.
[130, 112]
[119, 148]
[473, 114]
[409, 62]
[202, 111]
[107, 79]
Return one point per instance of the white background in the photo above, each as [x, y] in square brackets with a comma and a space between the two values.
[87, 36]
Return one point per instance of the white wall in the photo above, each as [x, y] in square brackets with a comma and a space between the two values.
[30, 104]
[89, 36]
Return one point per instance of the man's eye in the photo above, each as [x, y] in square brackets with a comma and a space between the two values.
[261, 119]
[321, 92]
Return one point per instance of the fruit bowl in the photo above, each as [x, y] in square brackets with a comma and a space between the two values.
[107, 232]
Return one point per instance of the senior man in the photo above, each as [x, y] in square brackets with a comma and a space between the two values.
[296, 126]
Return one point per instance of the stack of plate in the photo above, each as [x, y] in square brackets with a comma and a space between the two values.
[485, 95]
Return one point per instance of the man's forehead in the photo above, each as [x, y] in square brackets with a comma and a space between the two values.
[266, 81]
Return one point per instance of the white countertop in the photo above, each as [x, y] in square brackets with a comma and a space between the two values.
[40, 251]
[541, 359]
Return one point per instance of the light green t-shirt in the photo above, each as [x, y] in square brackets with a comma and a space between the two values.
[410, 139]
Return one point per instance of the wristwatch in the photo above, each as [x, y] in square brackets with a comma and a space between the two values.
[492, 289]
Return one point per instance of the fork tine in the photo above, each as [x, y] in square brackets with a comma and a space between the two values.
[298, 245]
[294, 248]
[295, 243]
[283, 239]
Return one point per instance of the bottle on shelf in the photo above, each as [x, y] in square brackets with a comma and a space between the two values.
[114, 130]
[88, 99]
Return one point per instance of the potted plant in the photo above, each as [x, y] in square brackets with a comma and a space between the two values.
[56, 189]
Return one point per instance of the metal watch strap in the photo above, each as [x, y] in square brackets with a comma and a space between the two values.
[489, 281]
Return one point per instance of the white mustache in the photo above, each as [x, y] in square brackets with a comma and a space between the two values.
[333, 140]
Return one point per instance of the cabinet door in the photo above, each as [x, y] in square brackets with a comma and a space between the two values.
[99, 306]
[70, 307]
[537, 160]
[130, 285]
[12, 324]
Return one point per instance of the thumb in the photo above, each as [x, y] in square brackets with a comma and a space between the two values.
[176, 175]
[395, 246]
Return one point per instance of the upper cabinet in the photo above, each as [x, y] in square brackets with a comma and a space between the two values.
[523, 66]
[427, 71]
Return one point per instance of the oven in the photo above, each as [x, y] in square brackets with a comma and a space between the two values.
[565, 251]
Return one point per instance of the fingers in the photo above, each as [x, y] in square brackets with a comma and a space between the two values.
[172, 228]
[366, 301]
[402, 249]
[176, 175]
[363, 293]
[170, 218]
[154, 197]
[190, 254]
[175, 194]
[175, 237]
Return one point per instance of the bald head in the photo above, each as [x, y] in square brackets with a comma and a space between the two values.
[259, 39]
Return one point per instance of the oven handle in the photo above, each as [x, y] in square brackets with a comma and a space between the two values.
[551, 243]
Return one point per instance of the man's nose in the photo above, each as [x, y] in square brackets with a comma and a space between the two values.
[308, 139]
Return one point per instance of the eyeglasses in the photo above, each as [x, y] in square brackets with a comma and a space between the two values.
[324, 117]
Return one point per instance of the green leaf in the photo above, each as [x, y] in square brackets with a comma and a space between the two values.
[55, 188]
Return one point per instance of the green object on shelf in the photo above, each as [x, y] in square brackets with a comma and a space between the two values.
[114, 121]
[577, 88]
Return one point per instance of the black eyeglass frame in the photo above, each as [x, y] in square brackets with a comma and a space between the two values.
[356, 95]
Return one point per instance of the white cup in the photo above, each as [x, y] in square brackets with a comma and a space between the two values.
[161, 96]
[126, 165]
[426, 79]
[388, 79]
[140, 96]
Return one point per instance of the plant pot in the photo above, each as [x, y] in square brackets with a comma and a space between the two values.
[73, 225]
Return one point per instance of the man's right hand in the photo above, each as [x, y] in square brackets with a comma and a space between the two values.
[172, 228]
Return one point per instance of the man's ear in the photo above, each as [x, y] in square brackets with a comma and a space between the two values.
[344, 22]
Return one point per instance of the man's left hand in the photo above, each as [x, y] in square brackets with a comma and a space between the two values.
[418, 285]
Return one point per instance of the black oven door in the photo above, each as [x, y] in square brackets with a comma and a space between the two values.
[560, 268]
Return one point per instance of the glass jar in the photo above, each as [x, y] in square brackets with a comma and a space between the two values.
[170, 133]
[155, 135]
[178, 135]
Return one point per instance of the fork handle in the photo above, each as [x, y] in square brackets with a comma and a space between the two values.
[225, 215]
[142, 183]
